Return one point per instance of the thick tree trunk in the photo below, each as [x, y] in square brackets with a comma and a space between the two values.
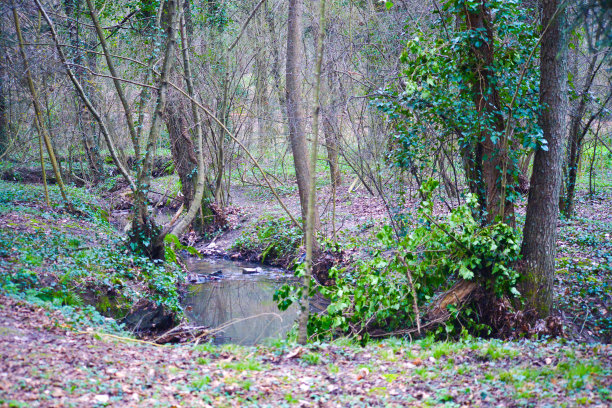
[295, 113]
[539, 235]
[177, 122]
[181, 145]
[146, 234]
[201, 195]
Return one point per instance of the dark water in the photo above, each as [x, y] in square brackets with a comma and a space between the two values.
[240, 305]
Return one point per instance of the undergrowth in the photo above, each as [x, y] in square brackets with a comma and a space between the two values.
[275, 241]
[75, 258]
[378, 295]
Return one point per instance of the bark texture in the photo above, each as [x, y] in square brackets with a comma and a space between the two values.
[181, 145]
[539, 235]
[295, 112]
[4, 126]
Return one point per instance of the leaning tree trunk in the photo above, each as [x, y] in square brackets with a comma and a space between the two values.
[295, 114]
[539, 235]
[43, 134]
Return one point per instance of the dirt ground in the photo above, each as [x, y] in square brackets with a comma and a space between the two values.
[45, 363]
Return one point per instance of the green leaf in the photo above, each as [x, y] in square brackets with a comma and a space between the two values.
[465, 273]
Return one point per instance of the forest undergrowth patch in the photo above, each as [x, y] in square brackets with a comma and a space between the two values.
[75, 259]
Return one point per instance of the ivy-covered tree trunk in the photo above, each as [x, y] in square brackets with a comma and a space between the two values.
[146, 234]
[489, 149]
[471, 155]
[539, 235]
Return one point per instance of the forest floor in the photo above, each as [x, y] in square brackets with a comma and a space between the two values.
[52, 358]
[47, 363]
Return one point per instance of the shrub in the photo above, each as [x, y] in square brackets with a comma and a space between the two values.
[379, 294]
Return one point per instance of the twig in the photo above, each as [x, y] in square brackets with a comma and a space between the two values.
[122, 338]
[231, 47]
[413, 290]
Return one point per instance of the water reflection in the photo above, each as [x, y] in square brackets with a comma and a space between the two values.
[240, 304]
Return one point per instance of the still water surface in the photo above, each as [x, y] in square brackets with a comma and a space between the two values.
[240, 304]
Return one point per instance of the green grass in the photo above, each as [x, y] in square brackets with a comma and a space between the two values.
[311, 358]
[250, 364]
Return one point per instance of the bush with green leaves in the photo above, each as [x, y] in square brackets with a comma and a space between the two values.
[377, 295]
[272, 240]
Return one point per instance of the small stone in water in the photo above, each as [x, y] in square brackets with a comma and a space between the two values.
[250, 271]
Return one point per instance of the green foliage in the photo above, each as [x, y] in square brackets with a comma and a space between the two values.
[64, 258]
[275, 240]
[437, 102]
[173, 244]
[377, 295]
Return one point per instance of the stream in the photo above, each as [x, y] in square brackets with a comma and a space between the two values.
[239, 305]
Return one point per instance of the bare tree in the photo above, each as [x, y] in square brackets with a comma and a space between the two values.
[295, 110]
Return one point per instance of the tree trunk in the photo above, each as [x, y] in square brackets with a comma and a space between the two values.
[85, 122]
[202, 194]
[539, 235]
[487, 100]
[331, 128]
[312, 192]
[145, 234]
[295, 114]
[471, 155]
[4, 125]
[575, 138]
[40, 123]
[177, 122]
[181, 145]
